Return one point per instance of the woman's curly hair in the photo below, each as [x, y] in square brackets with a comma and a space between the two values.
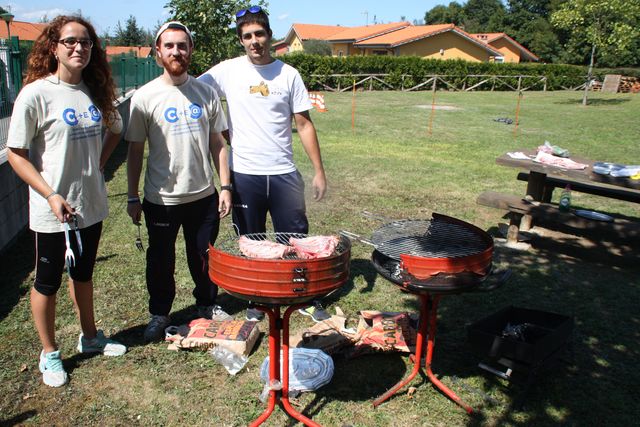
[96, 75]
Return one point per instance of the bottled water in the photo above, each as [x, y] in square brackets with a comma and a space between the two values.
[565, 199]
[232, 362]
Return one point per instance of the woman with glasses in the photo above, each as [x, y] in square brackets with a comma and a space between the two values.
[56, 146]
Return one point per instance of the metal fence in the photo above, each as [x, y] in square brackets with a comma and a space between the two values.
[130, 72]
[13, 60]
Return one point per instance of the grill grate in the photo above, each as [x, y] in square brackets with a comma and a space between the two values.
[429, 238]
[230, 245]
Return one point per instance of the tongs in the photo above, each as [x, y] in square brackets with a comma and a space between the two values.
[77, 231]
[139, 240]
[69, 256]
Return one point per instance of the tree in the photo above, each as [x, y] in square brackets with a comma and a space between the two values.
[482, 16]
[609, 26]
[451, 14]
[527, 21]
[213, 25]
[131, 35]
[317, 47]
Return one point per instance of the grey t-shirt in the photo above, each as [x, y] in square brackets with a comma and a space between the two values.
[177, 122]
[61, 127]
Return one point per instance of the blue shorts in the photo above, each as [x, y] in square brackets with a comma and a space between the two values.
[280, 195]
[50, 253]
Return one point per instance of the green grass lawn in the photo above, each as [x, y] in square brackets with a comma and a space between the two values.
[391, 166]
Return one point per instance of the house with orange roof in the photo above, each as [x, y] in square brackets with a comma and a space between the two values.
[22, 30]
[511, 50]
[139, 51]
[300, 33]
[444, 41]
[343, 43]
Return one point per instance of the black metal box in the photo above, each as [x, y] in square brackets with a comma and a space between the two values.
[541, 334]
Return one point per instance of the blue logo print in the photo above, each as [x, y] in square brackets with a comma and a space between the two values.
[95, 113]
[69, 116]
[171, 114]
[195, 110]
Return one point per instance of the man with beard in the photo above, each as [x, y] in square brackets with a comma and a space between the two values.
[263, 96]
[182, 119]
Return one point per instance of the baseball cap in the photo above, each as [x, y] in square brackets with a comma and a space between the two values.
[175, 25]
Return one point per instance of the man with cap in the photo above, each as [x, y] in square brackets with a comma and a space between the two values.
[182, 120]
[263, 95]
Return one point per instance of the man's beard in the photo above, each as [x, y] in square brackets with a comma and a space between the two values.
[176, 66]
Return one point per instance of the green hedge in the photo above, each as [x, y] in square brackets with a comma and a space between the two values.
[415, 70]
[630, 72]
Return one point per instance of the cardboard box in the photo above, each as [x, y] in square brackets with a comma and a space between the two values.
[238, 336]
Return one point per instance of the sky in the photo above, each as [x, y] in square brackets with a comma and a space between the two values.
[105, 14]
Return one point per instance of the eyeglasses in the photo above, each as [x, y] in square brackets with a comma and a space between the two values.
[252, 9]
[71, 42]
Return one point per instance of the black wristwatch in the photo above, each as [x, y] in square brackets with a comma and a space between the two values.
[229, 188]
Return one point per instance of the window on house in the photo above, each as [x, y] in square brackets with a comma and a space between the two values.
[379, 52]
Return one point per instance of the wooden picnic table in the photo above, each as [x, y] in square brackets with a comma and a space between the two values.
[542, 179]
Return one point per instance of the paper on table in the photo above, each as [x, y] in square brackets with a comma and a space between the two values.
[518, 155]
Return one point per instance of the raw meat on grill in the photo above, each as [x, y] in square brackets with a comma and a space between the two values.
[265, 249]
[315, 246]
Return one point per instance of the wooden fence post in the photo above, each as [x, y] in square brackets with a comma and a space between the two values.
[433, 104]
[515, 128]
[353, 107]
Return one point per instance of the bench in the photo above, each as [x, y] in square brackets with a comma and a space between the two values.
[550, 183]
[521, 211]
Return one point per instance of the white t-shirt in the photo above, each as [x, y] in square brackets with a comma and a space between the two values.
[61, 127]
[261, 100]
[177, 121]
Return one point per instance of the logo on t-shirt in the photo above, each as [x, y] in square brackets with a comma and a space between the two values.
[195, 110]
[72, 118]
[262, 89]
[95, 113]
[172, 114]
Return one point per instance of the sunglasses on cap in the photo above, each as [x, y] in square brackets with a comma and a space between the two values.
[252, 9]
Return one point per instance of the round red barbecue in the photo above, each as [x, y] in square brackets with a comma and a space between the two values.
[442, 283]
[443, 244]
[278, 281]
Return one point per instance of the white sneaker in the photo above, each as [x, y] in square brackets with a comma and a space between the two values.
[213, 312]
[316, 312]
[155, 328]
[254, 315]
[53, 373]
[101, 344]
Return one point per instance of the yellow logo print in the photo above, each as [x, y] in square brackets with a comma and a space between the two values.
[262, 89]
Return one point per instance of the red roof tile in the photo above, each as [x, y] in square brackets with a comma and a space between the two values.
[22, 30]
[364, 32]
[141, 52]
[419, 32]
[407, 34]
[315, 32]
[489, 38]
